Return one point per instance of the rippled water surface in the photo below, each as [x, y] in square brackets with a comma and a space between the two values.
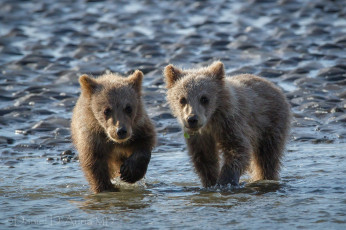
[46, 45]
[309, 195]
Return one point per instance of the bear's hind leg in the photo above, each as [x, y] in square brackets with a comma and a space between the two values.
[266, 161]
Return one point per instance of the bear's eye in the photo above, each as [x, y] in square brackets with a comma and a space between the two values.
[128, 110]
[107, 111]
[183, 101]
[204, 100]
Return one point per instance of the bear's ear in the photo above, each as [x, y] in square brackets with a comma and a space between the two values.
[172, 74]
[217, 70]
[136, 80]
[87, 84]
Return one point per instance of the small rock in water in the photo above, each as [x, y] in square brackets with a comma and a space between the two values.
[67, 153]
[6, 140]
[66, 156]
[66, 160]
[50, 159]
[24, 132]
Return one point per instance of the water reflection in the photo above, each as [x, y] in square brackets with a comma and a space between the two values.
[261, 187]
[124, 200]
[227, 197]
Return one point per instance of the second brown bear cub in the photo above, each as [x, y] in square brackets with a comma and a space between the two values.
[245, 117]
[111, 130]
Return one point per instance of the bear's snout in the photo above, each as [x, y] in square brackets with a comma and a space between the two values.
[192, 122]
[121, 133]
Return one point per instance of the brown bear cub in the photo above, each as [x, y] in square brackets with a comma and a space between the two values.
[111, 130]
[245, 117]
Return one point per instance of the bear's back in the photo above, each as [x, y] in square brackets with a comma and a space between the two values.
[256, 88]
[260, 101]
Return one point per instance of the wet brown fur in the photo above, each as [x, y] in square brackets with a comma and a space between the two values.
[247, 119]
[102, 154]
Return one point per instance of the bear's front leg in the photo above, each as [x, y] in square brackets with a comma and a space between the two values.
[96, 172]
[135, 167]
[236, 161]
[229, 175]
[203, 152]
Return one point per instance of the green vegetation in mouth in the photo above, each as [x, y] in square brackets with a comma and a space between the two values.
[186, 135]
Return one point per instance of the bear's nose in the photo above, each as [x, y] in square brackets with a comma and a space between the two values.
[121, 132]
[192, 120]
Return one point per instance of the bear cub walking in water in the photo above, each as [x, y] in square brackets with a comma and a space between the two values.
[111, 130]
[245, 117]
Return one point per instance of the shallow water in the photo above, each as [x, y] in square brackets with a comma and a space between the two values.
[46, 45]
[310, 194]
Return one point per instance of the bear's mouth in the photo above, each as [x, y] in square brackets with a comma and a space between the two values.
[193, 124]
[119, 140]
[191, 131]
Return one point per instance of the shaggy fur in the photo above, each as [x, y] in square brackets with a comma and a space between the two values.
[245, 117]
[111, 130]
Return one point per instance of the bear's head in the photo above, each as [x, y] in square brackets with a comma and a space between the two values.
[193, 94]
[115, 102]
